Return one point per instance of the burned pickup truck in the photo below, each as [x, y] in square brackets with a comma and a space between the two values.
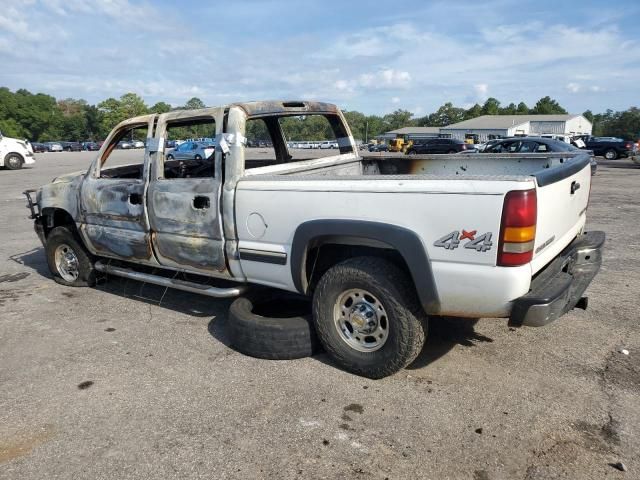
[377, 243]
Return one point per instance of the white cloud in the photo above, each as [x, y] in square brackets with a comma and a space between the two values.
[395, 100]
[482, 91]
[574, 87]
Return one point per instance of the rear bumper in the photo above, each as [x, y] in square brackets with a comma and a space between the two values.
[558, 288]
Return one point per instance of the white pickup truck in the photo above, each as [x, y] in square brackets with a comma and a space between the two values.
[379, 243]
[15, 153]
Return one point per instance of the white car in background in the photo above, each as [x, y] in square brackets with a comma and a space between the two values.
[53, 147]
[15, 153]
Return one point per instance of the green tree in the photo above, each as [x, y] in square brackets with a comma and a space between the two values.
[547, 105]
[473, 112]
[522, 109]
[510, 109]
[114, 111]
[447, 114]
[160, 107]
[491, 107]
[194, 103]
[398, 119]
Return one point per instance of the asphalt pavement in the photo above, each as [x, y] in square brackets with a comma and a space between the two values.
[129, 381]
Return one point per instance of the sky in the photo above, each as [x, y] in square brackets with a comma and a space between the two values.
[370, 56]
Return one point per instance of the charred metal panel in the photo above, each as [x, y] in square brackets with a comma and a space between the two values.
[257, 109]
[62, 193]
[184, 213]
[189, 252]
[113, 241]
[114, 220]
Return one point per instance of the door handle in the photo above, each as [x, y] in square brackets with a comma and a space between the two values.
[574, 187]
[135, 198]
[201, 202]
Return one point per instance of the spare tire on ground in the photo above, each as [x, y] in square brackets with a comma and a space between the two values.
[272, 324]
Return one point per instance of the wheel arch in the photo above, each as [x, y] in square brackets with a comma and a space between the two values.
[56, 217]
[358, 238]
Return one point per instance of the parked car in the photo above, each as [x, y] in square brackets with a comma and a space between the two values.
[124, 145]
[611, 148]
[438, 145]
[38, 147]
[90, 146]
[53, 146]
[379, 147]
[502, 239]
[137, 144]
[71, 146]
[15, 153]
[191, 151]
[535, 145]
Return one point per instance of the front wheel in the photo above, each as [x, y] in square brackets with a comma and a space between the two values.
[368, 317]
[13, 161]
[69, 261]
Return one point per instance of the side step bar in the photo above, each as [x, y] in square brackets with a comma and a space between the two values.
[170, 282]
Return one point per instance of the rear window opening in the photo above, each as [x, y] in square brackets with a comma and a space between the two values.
[292, 138]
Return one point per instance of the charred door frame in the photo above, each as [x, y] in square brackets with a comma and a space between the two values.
[114, 219]
[183, 236]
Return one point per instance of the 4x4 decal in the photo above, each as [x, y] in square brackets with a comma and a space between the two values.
[452, 240]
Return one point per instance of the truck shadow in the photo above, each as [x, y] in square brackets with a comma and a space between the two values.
[444, 334]
[34, 259]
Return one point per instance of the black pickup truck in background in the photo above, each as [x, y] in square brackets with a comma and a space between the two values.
[610, 148]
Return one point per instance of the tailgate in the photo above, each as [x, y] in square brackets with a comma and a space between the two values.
[562, 195]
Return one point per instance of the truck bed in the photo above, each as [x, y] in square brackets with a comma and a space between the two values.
[454, 166]
[432, 195]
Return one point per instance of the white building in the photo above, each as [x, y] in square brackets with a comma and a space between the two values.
[487, 127]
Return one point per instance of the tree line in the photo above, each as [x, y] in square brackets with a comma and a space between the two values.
[41, 117]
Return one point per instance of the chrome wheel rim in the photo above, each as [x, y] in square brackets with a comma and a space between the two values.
[67, 262]
[361, 320]
[609, 155]
[14, 162]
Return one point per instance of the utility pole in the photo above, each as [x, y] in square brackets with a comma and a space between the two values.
[366, 131]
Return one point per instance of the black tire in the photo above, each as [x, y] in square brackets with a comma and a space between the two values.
[169, 157]
[611, 154]
[198, 157]
[65, 236]
[286, 335]
[411, 152]
[406, 320]
[451, 151]
[13, 161]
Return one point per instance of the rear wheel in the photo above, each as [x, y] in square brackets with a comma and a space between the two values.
[368, 317]
[451, 151]
[169, 157]
[69, 261]
[611, 154]
[13, 161]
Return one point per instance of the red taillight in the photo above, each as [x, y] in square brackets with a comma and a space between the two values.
[518, 228]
